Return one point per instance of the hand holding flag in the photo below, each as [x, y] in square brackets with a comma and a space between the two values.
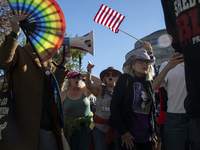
[110, 18]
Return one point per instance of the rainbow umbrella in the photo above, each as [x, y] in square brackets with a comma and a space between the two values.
[44, 26]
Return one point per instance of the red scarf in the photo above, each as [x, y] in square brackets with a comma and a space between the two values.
[101, 121]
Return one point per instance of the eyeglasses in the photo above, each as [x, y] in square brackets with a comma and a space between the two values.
[74, 77]
[141, 61]
[108, 74]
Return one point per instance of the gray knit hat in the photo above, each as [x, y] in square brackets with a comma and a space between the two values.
[139, 54]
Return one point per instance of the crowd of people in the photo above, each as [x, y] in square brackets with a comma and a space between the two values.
[127, 114]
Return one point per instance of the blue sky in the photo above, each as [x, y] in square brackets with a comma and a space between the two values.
[142, 17]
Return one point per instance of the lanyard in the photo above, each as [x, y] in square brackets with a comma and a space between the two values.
[57, 96]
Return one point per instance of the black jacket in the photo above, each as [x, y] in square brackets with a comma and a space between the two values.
[121, 105]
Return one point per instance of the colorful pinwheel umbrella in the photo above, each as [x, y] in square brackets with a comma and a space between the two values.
[44, 26]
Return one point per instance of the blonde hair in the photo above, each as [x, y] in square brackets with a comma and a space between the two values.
[67, 85]
[129, 70]
[104, 80]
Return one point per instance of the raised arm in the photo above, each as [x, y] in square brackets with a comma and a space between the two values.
[95, 87]
[9, 46]
[171, 64]
[95, 79]
[149, 49]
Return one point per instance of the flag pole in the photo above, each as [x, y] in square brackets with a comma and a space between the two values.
[130, 35]
[80, 61]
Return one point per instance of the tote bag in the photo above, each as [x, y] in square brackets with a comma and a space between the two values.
[8, 115]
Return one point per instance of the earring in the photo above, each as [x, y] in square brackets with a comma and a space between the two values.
[133, 67]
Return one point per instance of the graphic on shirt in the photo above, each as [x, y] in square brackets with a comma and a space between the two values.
[106, 105]
[141, 99]
[2, 126]
[104, 101]
[187, 21]
[3, 112]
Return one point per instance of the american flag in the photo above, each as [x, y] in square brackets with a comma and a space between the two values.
[109, 18]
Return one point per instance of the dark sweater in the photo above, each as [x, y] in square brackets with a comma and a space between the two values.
[183, 24]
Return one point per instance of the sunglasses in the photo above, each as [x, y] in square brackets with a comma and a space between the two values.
[74, 77]
[141, 61]
[112, 74]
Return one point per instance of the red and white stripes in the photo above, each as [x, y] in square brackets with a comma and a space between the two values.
[108, 17]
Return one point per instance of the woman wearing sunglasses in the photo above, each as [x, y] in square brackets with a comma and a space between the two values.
[76, 104]
[103, 94]
[133, 103]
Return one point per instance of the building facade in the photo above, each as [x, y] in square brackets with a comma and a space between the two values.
[161, 44]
